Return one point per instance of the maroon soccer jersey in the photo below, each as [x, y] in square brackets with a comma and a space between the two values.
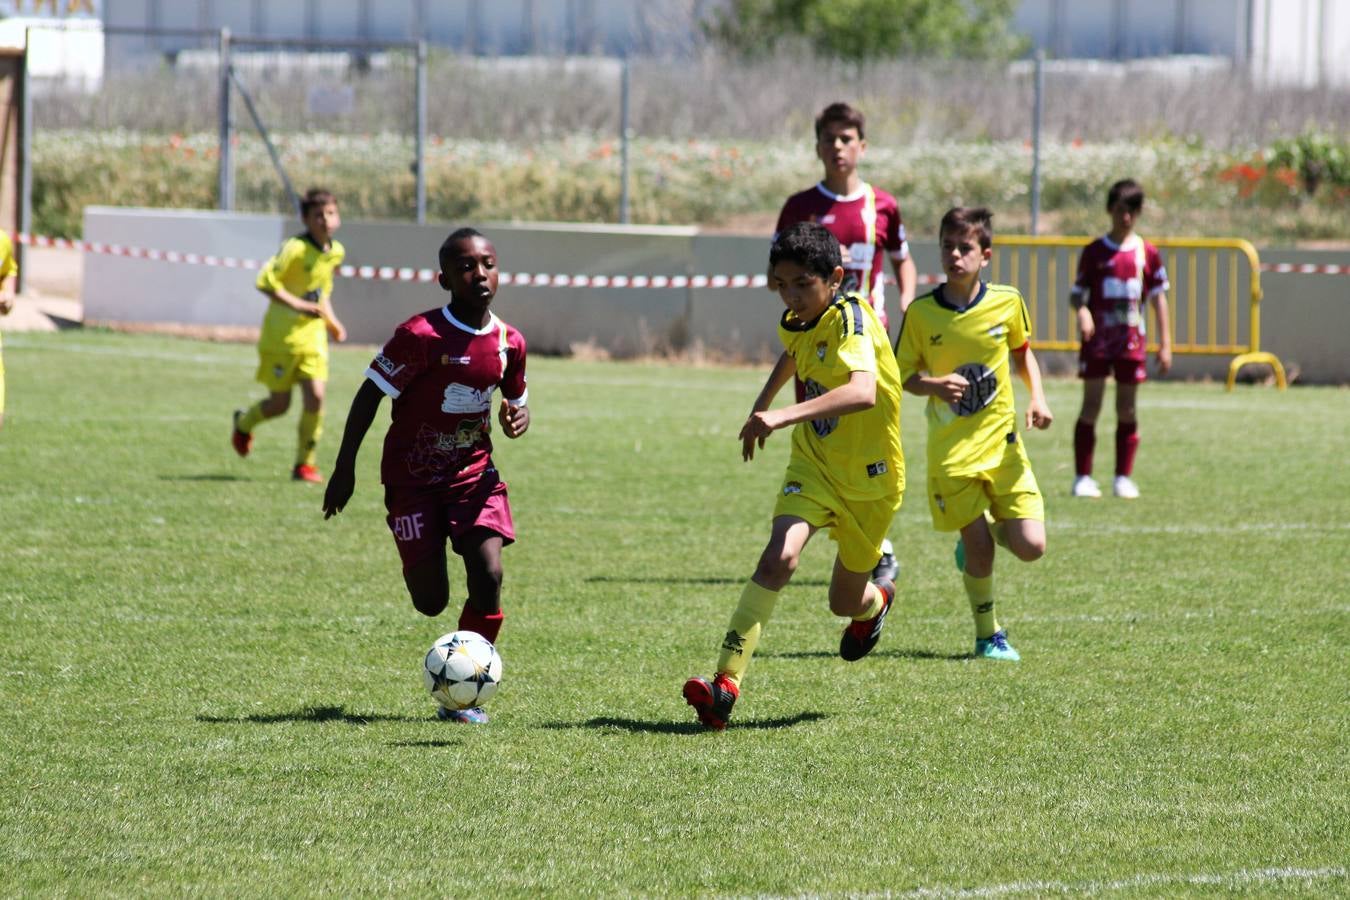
[441, 375]
[1113, 281]
[865, 223]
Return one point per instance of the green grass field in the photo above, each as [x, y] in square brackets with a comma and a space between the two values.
[208, 690]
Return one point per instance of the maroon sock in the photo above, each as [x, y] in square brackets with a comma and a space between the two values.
[1084, 442]
[1127, 442]
[486, 624]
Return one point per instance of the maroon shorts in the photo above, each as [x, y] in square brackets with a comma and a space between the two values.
[1126, 371]
[422, 520]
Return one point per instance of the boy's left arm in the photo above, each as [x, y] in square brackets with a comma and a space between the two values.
[1038, 410]
[907, 276]
[1164, 332]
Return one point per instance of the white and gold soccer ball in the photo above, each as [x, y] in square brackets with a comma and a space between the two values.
[462, 670]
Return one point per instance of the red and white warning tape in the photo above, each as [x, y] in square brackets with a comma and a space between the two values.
[1304, 269]
[519, 279]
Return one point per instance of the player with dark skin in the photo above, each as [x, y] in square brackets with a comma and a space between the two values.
[469, 272]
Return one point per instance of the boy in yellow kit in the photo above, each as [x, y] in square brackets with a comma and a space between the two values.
[956, 348]
[293, 346]
[846, 472]
[8, 269]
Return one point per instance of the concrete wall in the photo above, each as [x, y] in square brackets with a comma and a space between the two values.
[1304, 318]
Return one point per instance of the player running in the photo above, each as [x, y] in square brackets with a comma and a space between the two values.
[441, 369]
[846, 471]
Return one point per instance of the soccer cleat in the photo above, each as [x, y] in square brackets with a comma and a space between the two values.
[304, 472]
[474, 715]
[241, 441]
[1086, 486]
[1125, 488]
[712, 700]
[859, 638]
[996, 646]
[887, 568]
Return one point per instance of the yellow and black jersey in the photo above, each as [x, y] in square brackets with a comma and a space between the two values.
[976, 340]
[859, 453]
[305, 270]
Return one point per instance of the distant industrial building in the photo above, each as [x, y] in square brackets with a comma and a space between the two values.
[1301, 42]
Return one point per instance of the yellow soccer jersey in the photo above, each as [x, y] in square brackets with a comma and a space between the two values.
[304, 269]
[937, 338]
[857, 454]
[8, 266]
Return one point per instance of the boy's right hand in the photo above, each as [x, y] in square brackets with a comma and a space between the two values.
[756, 430]
[6, 304]
[341, 484]
[1086, 327]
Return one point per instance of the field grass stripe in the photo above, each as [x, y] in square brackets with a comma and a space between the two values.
[1237, 878]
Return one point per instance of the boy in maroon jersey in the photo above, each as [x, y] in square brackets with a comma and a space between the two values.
[1116, 273]
[440, 485]
[867, 223]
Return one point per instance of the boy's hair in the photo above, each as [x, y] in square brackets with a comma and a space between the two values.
[968, 219]
[809, 245]
[843, 114]
[315, 198]
[1126, 191]
[455, 237]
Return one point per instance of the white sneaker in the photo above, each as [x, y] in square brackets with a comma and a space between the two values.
[1125, 488]
[1086, 486]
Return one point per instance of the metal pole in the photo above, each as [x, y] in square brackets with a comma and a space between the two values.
[225, 176]
[419, 164]
[25, 161]
[625, 135]
[1037, 114]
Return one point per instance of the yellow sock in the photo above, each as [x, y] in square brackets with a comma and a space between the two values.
[250, 419]
[980, 592]
[747, 621]
[311, 426]
[873, 609]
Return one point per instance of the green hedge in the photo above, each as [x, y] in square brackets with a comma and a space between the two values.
[1191, 189]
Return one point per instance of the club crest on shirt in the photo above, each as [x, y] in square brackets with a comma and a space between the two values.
[821, 348]
[998, 330]
[792, 487]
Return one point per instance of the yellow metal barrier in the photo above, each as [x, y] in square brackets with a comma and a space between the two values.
[1209, 286]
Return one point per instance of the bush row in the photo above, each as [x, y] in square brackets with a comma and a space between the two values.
[1191, 189]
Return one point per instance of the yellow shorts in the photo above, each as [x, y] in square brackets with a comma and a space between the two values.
[278, 372]
[1008, 491]
[857, 526]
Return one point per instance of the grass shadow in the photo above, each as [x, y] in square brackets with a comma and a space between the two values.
[894, 654]
[309, 714]
[436, 743]
[642, 726]
[208, 476]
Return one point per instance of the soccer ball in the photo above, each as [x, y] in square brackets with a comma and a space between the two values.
[462, 669]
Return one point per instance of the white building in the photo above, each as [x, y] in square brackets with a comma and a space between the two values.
[1303, 42]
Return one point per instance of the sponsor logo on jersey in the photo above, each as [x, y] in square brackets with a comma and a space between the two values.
[877, 468]
[407, 528]
[386, 365]
[455, 360]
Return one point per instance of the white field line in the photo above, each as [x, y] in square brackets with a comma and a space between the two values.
[1201, 529]
[96, 350]
[1239, 878]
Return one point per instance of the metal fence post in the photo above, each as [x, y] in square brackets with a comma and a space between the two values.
[419, 164]
[225, 177]
[1038, 110]
[625, 134]
[25, 160]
